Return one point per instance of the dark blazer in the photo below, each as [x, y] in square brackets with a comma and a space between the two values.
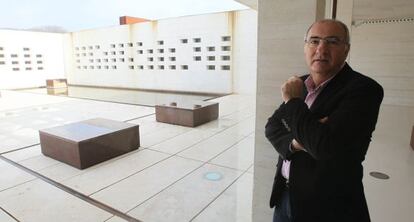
[325, 182]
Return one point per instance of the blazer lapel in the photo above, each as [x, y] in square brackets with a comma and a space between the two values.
[305, 90]
[337, 83]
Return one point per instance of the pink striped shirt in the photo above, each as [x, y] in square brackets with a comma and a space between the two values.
[313, 93]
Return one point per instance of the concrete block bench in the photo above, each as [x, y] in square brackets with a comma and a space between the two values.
[187, 114]
[86, 143]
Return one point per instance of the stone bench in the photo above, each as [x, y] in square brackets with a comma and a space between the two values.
[86, 143]
[56, 83]
[187, 114]
[57, 91]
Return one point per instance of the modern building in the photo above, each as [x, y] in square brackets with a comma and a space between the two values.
[247, 54]
[211, 53]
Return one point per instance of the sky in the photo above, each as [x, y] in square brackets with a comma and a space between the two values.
[75, 15]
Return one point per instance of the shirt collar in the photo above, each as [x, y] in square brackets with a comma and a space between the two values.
[310, 85]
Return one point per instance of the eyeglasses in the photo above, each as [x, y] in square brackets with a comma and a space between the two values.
[330, 41]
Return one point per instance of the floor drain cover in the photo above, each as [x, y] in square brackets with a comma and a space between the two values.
[379, 175]
[213, 176]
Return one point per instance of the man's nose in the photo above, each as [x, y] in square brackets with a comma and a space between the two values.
[322, 47]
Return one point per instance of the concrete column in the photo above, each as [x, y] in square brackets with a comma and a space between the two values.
[344, 9]
[281, 29]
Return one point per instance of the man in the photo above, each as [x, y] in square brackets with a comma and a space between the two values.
[322, 132]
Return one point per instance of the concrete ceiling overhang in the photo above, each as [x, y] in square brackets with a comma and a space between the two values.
[250, 3]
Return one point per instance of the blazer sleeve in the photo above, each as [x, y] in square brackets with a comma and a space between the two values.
[279, 134]
[349, 126]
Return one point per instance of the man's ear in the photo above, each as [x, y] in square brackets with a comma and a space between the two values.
[348, 46]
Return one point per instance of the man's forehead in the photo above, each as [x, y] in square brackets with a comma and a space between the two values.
[326, 29]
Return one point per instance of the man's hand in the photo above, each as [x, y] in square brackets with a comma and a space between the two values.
[323, 120]
[296, 146]
[292, 88]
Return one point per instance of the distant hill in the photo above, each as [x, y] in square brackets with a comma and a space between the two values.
[50, 28]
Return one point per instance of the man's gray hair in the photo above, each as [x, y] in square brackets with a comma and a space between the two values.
[344, 27]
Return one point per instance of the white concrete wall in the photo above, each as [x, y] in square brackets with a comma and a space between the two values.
[27, 59]
[219, 55]
[133, 68]
[91, 66]
[382, 44]
[68, 55]
[245, 52]
[385, 52]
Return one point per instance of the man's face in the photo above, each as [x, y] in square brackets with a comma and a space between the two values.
[325, 48]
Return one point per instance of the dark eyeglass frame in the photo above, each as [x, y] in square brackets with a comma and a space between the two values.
[314, 41]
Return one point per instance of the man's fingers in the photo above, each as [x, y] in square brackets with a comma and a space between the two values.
[323, 120]
[292, 88]
[296, 145]
[294, 79]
